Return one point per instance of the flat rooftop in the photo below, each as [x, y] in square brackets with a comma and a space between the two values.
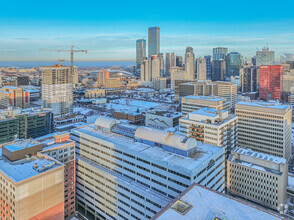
[204, 151]
[270, 104]
[23, 169]
[210, 204]
[19, 145]
[205, 98]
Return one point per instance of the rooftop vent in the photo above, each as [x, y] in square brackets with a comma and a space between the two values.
[181, 207]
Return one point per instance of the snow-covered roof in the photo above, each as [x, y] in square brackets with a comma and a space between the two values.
[270, 104]
[210, 204]
[206, 98]
[105, 122]
[165, 138]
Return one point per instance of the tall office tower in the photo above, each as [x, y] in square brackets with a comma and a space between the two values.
[32, 184]
[179, 61]
[223, 206]
[201, 69]
[161, 61]
[253, 61]
[211, 126]
[218, 70]
[145, 71]
[153, 41]
[248, 79]
[192, 103]
[220, 53]
[178, 74]
[271, 82]
[227, 90]
[258, 177]
[18, 97]
[190, 63]
[170, 61]
[140, 52]
[28, 123]
[136, 171]
[61, 148]
[154, 67]
[265, 127]
[57, 89]
[234, 62]
[208, 66]
[265, 57]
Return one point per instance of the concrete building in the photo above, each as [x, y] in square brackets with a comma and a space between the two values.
[57, 89]
[94, 93]
[265, 127]
[177, 73]
[162, 119]
[35, 93]
[32, 187]
[129, 172]
[208, 67]
[193, 103]
[227, 90]
[265, 57]
[159, 83]
[140, 52]
[61, 148]
[199, 202]
[22, 124]
[17, 96]
[201, 69]
[211, 126]
[154, 67]
[134, 117]
[179, 61]
[144, 74]
[4, 99]
[112, 83]
[190, 63]
[258, 177]
[153, 41]
[102, 75]
[170, 61]
[248, 79]
[220, 53]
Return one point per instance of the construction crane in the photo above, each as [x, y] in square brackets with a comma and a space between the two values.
[72, 51]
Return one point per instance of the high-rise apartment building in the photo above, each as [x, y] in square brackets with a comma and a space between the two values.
[170, 61]
[144, 74]
[32, 184]
[57, 89]
[153, 41]
[218, 70]
[154, 67]
[265, 127]
[265, 57]
[130, 172]
[271, 82]
[102, 75]
[208, 66]
[234, 62]
[28, 123]
[201, 69]
[190, 63]
[258, 177]
[211, 126]
[61, 148]
[219, 53]
[193, 103]
[140, 52]
[18, 97]
[248, 79]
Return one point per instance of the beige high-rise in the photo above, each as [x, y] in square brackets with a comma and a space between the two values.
[265, 127]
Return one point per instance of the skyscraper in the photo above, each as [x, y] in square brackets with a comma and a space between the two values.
[208, 66]
[190, 63]
[154, 67]
[265, 57]
[201, 69]
[144, 73]
[220, 53]
[179, 61]
[170, 61]
[57, 88]
[153, 41]
[248, 79]
[234, 62]
[140, 52]
[271, 81]
[218, 70]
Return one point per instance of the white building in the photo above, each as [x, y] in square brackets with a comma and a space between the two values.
[162, 119]
[192, 103]
[258, 177]
[265, 127]
[201, 69]
[190, 63]
[145, 71]
[129, 172]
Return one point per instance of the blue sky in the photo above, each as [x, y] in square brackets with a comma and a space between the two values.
[109, 29]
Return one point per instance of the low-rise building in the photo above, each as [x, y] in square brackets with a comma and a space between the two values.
[17, 96]
[134, 117]
[162, 119]
[94, 93]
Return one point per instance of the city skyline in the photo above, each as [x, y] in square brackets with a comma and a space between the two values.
[111, 35]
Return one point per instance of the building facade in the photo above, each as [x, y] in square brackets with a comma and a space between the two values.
[218, 70]
[170, 61]
[190, 63]
[220, 53]
[201, 69]
[153, 41]
[140, 52]
[265, 57]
